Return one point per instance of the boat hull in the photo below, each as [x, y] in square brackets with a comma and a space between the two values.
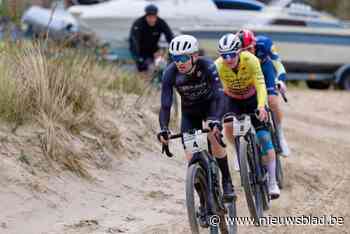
[305, 50]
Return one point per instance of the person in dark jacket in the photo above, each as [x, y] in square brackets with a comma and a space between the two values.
[144, 37]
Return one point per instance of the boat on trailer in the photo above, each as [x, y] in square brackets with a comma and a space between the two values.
[312, 44]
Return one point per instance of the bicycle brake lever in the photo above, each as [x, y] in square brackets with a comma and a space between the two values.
[283, 94]
[284, 97]
[165, 148]
[220, 141]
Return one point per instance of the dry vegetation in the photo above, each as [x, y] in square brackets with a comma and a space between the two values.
[62, 92]
[339, 8]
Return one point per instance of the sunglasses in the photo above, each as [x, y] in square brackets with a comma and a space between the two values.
[183, 58]
[229, 56]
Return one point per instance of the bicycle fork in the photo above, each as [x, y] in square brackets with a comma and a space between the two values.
[261, 177]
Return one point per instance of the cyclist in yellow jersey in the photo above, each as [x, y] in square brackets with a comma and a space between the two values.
[245, 91]
[246, 81]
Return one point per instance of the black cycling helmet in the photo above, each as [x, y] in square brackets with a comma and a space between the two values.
[151, 9]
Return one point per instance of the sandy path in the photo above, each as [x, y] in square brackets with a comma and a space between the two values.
[318, 129]
[145, 193]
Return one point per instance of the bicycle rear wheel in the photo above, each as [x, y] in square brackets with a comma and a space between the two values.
[277, 146]
[279, 172]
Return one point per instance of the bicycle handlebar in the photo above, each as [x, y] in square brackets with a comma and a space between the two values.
[283, 94]
[284, 97]
[256, 113]
[179, 135]
[220, 141]
[165, 148]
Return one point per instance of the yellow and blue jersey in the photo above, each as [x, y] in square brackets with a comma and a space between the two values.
[246, 81]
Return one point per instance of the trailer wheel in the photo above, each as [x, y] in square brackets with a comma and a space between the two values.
[345, 81]
[318, 84]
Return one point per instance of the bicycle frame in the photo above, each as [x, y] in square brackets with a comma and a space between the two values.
[272, 126]
[250, 138]
[211, 194]
[253, 177]
[209, 164]
[201, 155]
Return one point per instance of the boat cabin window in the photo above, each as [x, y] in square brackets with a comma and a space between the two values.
[238, 5]
[288, 22]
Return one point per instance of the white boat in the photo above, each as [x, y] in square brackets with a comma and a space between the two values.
[308, 40]
[57, 22]
[205, 19]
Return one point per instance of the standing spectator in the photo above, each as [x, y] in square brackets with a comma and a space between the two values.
[144, 37]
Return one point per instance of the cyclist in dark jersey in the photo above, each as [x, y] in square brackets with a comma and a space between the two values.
[197, 82]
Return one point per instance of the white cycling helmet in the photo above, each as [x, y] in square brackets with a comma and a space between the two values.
[229, 43]
[184, 44]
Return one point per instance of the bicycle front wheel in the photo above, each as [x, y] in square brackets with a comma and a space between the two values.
[251, 189]
[196, 190]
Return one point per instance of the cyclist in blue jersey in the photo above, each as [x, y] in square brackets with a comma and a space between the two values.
[274, 73]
